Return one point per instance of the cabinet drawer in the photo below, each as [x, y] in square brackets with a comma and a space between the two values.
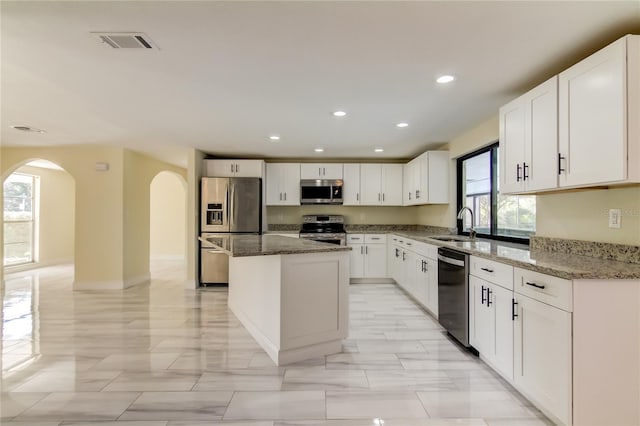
[494, 272]
[355, 238]
[553, 291]
[375, 238]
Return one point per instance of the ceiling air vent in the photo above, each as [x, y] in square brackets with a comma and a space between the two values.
[126, 40]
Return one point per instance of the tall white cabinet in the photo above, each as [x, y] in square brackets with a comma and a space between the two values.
[598, 114]
[426, 179]
[283, 184]
[529, 140]
[351, 185]
[381, 184]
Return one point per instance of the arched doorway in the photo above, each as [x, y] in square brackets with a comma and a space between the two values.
[39, 216]
[167, 226]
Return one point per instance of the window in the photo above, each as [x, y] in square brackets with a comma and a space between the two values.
[19, 218]
[504, 217]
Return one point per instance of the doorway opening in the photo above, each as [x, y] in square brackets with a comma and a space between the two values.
[39, 216]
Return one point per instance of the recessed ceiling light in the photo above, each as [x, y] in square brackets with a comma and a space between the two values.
[339, 113]
[378, 150]
[319, 150]
[274, 138]
[402, 125]
[28, 129]
[445, 79]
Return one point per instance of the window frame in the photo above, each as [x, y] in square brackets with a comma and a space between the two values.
[35, 205]
[493, 195]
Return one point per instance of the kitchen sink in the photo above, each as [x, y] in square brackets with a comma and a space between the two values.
[452, 238]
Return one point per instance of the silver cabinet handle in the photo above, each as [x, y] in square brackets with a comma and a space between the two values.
[281, 196]
[366, 249]
[378, 196]
[383, 196]
[319, 172]
[355, 238]
[409, 244]
[375, 238]
[232, 168]
[324, 171]
[285, 196]
[361, 250]
[409, 195]
[357, 196]
[417, 193]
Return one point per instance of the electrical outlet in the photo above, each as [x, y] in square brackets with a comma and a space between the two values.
[615, 218]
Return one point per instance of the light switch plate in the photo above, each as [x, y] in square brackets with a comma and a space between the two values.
[614, 218]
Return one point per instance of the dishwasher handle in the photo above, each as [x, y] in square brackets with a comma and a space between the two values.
[450, 261]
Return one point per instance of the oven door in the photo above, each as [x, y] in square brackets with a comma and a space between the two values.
[331, 239]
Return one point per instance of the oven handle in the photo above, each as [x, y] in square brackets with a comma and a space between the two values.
[450, 260]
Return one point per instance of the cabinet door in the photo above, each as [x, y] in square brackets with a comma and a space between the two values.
[481, 324]
[408, 196]
[542, 356]
[332, 171]
[512, 145]
[421, 278]
[248, 168]
[435, 178]
[391, 184]
[351, 185]
[370, 179]
[356, 261]
[539, 169]
[290, 184]
[375, 261]
[592, 118]
[320, 171]
[416, 182]
[502, 350]
[219, 168]
[274, 178]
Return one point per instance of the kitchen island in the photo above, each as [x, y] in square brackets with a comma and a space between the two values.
[290, 294]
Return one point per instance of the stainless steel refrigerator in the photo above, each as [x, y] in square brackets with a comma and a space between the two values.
[229, 206]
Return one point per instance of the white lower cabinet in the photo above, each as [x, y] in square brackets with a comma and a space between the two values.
[368, 256]
[543, 342]
[413, 266]
[491, 324]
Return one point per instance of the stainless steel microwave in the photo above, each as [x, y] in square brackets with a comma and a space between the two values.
[321, 191]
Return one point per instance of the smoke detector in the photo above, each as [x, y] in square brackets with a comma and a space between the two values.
[126, 40]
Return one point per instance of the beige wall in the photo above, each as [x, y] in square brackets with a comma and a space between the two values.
[584, 215]
[109, 207]
[579, 215]
[167, 216]
[352, 214]
[56, 217]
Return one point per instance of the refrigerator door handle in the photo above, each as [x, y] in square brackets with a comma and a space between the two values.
[232, 210]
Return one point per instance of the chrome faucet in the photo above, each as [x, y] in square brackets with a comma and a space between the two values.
[472, 232]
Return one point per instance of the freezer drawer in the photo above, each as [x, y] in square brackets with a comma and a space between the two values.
[214, 266]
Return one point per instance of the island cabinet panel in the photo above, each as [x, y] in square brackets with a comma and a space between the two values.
[606, 352]
[296, 306]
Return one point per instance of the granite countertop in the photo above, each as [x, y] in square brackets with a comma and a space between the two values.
[558, 264]
[265, 245]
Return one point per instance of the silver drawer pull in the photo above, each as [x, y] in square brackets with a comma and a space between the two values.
[488, 270]
[409, 244]
[375, 238]
[534, 285]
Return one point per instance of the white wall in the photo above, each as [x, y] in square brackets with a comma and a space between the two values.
[167, 217]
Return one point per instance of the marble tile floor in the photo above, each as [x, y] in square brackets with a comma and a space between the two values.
[160, 355]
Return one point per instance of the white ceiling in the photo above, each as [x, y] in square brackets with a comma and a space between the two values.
[230, 74]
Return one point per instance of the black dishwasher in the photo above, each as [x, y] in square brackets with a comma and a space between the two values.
[453, 293]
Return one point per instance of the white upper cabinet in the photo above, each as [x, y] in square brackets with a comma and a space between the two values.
[234, 168]
[381, 184]
[529, 140]
[320, 171]
[599, 110]
[283, 184]
[351, 185]
[426, 179]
